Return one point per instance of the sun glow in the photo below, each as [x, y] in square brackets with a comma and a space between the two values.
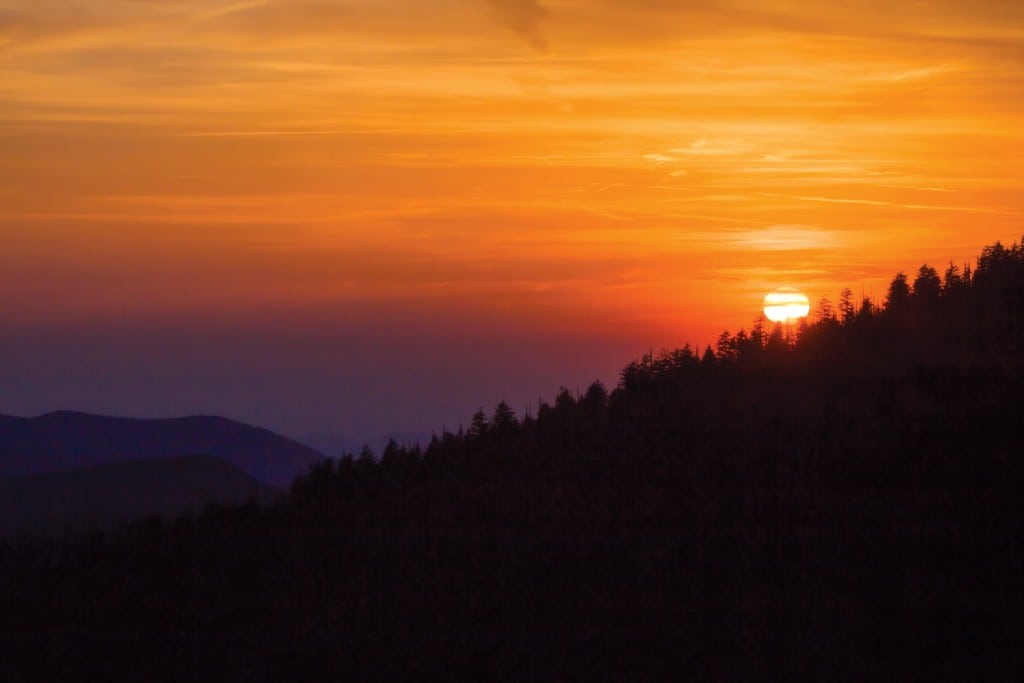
[786, 303]
[463, 165]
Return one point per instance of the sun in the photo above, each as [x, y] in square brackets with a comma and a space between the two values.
[786, 303]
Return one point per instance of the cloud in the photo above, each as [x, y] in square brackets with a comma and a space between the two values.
[284, 19]
[524, 17]
[9, 20]
[660, 158]
[786, 238]
[705, 147]
[898, 205]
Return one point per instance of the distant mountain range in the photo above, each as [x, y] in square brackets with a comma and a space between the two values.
[101, 496]
[65, 441]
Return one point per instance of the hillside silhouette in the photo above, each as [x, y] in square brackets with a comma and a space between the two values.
[833, 501]
[100, 497]
[66, 440]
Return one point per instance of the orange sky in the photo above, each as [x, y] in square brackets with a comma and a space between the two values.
[629, 168]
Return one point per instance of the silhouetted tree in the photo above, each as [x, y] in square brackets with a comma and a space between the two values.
[725, 347]
[596, 396]
[898, 296]
[847, 312]
[708, 359]
[953, 282]
[478, 426]
[927, 285]
[741, 342]
[777, 341]
[866, 310]
[504, 420]
[758, 335]
[824, 312]
[392, 453]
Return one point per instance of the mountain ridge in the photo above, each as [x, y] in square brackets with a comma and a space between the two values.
[66, 440]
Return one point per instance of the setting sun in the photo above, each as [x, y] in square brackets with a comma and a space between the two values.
[340, 191]
[786, 303]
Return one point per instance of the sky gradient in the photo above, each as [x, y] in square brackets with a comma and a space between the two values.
[366, 216]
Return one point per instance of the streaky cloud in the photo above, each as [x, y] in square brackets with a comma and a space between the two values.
[523, 17]
[898, 205]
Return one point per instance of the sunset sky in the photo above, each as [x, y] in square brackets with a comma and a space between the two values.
[373, 215]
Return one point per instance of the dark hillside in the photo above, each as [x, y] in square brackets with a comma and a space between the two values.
[102, 496]
[837, 502]
[67, 440]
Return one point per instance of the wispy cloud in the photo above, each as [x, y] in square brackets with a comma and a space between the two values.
[713, 147]
[525, 18]
[786, 238]
[660, 158]
[775, 238]
[898, 205]
[915, 74]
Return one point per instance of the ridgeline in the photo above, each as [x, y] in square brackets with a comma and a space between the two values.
[834, 502]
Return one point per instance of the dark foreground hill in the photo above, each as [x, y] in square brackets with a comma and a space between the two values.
[839, 505]
[610, 538]
[67, 440]
[102, 496]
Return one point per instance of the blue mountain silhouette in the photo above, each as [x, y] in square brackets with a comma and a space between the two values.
[66, 440]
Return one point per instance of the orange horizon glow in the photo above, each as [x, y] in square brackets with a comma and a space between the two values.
[556, 165]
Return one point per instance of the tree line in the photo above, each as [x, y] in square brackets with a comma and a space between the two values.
[834, 502]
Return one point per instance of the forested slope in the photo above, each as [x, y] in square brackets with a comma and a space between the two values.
[837, 501]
